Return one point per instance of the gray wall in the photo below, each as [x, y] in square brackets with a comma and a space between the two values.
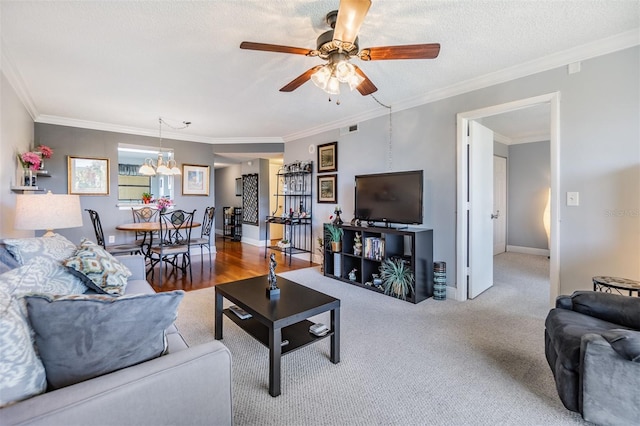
[16, 136]
[599, 157]
[95, 143]
[225, 190]
[528, 182]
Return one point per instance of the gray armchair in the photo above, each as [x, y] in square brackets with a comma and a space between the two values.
[592, 344]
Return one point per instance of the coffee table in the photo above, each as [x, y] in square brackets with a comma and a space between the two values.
[276, 320]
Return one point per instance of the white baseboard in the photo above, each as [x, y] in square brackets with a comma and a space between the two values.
[528, 250]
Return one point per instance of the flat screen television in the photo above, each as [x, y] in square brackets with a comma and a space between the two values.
[389, 197]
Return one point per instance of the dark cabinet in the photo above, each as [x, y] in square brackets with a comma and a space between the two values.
[412, 245]
[232, 226]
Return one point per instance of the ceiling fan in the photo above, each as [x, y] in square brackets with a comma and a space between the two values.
[338, 45]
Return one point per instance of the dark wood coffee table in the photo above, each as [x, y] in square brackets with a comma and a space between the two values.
[276, 320]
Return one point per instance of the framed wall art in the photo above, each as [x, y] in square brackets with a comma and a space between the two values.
[328, 157]
[250, 199]
[328, 189]
[195, 179]
[87, 176]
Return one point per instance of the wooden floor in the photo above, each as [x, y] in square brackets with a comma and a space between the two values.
[233, 261]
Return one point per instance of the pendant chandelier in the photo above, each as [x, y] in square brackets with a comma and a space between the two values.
[161, 167]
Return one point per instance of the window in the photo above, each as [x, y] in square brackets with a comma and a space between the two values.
[131, 184]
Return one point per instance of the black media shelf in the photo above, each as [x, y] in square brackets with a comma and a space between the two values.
[413, 245]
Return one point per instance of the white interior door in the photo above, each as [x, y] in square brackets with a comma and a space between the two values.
[499, 205]
[480, 164]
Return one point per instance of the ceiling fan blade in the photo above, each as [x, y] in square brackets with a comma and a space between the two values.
[350, 17]
[366, 87]
[409, 51]
[276, 48]
[301, 79]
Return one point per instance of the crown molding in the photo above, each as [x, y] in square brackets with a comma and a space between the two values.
[601, 47]
[498, 137]
[108, 127]
[16, 81]
[542, 137]
[611, 44]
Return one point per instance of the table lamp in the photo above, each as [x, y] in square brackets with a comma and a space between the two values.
[48, 211]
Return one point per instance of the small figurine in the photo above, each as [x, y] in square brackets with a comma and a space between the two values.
[272, 271]
[352, 274]
[357, 244]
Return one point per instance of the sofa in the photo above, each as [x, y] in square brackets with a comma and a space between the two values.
[180, 385]
[592, 344]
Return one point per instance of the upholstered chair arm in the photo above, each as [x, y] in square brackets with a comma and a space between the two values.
[135, 263]
[610, 383]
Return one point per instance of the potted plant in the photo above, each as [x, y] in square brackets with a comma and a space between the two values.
[334, 233]
[146, 197]
[397, 278]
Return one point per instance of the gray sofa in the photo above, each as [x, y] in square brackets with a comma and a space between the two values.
[187, 386]
[592, 344]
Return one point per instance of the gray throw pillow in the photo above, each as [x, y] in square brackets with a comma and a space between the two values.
[84, 336]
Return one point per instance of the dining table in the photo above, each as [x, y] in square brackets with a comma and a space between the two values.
[147, 228]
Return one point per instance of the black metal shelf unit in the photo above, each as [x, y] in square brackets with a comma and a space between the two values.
[295, 195]
[232, 226]
[413, 245]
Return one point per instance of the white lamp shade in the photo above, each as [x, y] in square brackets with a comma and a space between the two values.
[49, 211]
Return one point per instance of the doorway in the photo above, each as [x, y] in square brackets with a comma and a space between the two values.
[467, 231]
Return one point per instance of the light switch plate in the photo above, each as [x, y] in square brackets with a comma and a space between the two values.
[112, 239]
[573, 199]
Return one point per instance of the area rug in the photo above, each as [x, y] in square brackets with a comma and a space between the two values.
[479, 362]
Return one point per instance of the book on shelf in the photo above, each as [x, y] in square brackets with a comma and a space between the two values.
[374, 248]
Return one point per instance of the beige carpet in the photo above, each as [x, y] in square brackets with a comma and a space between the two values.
[479, 362]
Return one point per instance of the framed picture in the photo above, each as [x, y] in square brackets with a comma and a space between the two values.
[328, 157]
[328, 189]
[195, 179]
[87, 176]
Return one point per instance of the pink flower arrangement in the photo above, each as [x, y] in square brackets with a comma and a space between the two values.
[33, 159]
[30, 160]
[45, 151]
[163, 203]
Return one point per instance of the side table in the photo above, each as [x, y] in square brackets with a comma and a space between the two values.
[619, 285]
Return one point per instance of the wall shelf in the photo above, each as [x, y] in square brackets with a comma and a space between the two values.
[26, 189]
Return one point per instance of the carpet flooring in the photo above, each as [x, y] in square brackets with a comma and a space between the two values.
[479, 362]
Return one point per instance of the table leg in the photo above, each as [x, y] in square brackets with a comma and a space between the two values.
[218, 317]
[335, 338]
[275, 351]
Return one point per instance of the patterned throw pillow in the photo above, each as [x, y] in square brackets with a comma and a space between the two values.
[56, 247]
[107, 333]
[98, 269]
[22, 374]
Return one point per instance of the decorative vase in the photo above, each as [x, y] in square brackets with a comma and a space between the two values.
[29, 177]
[337, 220]
[337, 264]
[336, 246]
[439, 280]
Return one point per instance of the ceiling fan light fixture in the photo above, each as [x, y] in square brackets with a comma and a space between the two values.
[333, 86]
[344, 71]
[321, 77]
[355, 81]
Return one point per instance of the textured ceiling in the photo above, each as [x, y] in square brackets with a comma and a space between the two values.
[125, 63]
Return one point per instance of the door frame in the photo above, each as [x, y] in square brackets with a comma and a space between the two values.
[505, 211]
[462, 229]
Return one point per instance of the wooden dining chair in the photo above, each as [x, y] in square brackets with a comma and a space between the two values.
[171, 246]
[117, 249]
[205, 234]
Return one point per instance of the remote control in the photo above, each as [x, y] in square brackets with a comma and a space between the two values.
[241, 313]
[319, 329]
